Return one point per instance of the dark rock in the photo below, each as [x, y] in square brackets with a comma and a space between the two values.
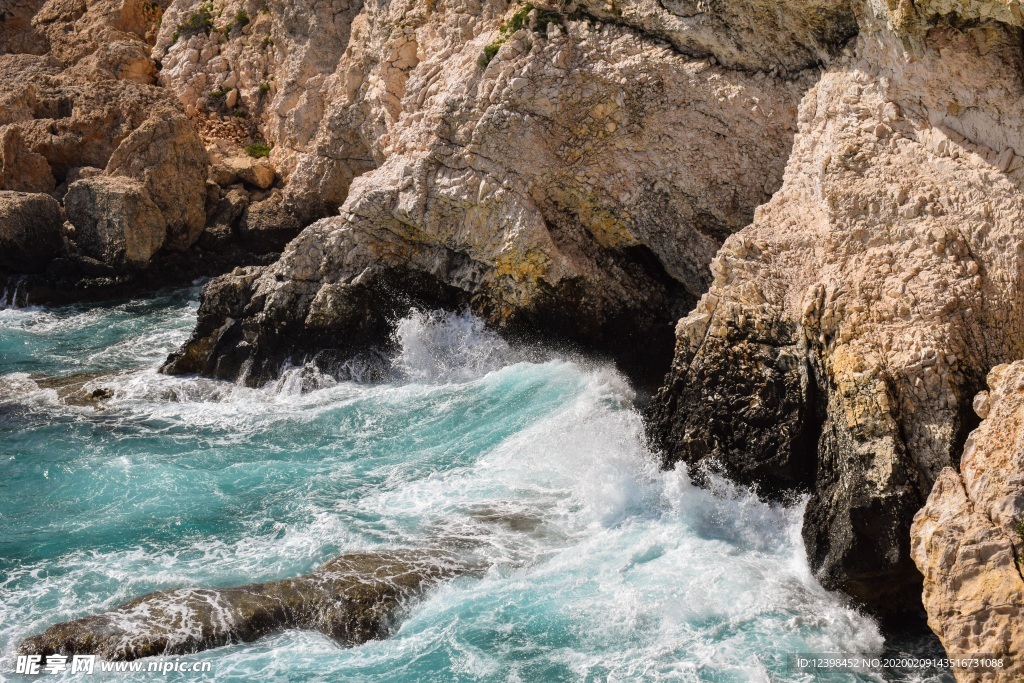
[742, 407]
[753, 405]
[30, 231]
[81, 389]
[268, 225]
[333, 324]
[353, 598]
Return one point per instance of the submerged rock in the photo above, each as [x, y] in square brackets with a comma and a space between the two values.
[849, 326]
[86, 389]
[353, 598]
[83, 389]
[968, 538]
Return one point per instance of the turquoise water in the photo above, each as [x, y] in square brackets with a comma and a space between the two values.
[603, 567]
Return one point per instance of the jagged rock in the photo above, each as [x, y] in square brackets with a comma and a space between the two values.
[21, 169]
[565, 186]
[329, 78]
[127, 60]
[342, 321]
[30, 231]
[166, 155]
[759, 35]
[115, 221]
[849, 326]
[75, 30]
[52, 121]
[352, 599]
[16, 33]
[967, 540]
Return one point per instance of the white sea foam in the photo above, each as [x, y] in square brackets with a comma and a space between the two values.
[604, 566]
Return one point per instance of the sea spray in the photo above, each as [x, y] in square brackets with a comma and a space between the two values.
[602, 565]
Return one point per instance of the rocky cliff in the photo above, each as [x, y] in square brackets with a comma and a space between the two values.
[968, 538]
[849, 326]
[564, 171]
[123, 172]
[827, 190]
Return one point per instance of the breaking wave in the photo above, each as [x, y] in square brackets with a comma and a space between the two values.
[603, 566]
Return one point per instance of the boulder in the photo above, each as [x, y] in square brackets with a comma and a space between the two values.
[115, 221]
[30, 231]
[259, 173]
[167, 157]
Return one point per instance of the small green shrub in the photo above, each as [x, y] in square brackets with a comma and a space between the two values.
[516, 22]
[1018, 527]
[217, 94]
[200, 21]
[489, 52]
[242, 18]
[264, 87]
[258, 150]
[267, 42]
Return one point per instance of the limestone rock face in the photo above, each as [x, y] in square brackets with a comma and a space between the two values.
[52, 121]
[551, 167]
[30, 231]
[115, 221]
[76, 92]
[849, 326]
[167, 157]
[967, 539]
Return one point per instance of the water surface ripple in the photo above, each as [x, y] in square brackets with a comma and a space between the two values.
[603, 566]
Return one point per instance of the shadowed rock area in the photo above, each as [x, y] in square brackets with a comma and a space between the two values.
[849, 326]
[353, 598]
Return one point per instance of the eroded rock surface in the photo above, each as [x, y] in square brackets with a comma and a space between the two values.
[167, 157]
[115, 221]
[78, 98]
[849, 326]
[353, 598]
[558, 172]
[967, 540]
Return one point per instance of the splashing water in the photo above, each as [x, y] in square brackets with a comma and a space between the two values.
[603, 567]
